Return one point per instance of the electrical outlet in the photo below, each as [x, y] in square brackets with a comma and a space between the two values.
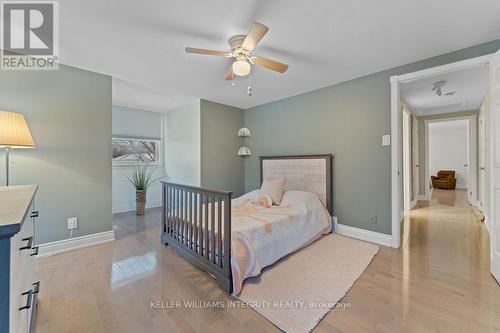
[72, 222]
[373, 219]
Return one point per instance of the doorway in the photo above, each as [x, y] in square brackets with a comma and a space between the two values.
[492, 167]
[450, 144]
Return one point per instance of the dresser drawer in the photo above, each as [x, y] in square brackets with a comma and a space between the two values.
[22, 246]
[21, 276]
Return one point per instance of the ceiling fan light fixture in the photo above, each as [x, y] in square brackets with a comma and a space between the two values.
[241, 68]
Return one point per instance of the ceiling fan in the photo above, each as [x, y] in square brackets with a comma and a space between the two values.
[242, 47]
[439, 86]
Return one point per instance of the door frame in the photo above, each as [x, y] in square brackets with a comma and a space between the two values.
[481, 152]
[407, 165]
[396, 130]
[472, 156]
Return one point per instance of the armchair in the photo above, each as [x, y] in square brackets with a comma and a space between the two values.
[445, 180]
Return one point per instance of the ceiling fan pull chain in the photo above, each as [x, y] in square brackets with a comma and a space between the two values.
[249, 92]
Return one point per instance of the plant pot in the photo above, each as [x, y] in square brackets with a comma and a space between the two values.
[140, 201]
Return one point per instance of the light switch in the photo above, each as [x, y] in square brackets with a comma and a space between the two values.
[386, 140]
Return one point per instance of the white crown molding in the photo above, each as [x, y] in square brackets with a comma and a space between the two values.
[365, 235]
[51, 248]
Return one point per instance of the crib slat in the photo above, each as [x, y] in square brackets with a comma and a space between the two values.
[189, 218]
[219, 232]
[177, 206]
[186, 233]
[176, 214]
[168, 208]
[186, 220]
[212, 230]
[227, 235]
[181, 213]
[195, 221]
[206, 248]
[202, 201]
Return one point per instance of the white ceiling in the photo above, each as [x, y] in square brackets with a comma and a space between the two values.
[469, 85]
[449, 124]
[141, 43]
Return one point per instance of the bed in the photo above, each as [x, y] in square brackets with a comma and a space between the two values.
[195, 220]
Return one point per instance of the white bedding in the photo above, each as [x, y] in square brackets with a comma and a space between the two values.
[261, 236]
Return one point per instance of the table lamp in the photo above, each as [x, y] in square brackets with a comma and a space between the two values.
[14, 133]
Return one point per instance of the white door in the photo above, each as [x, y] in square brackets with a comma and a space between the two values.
[471, 162]
[415, 163]
[482, 158]
[495, 165]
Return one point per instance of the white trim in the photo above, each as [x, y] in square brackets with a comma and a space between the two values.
[472, 153]
[452, 67]
[51, 248]
[365, 235]
[407, 177]
[395, 180]
[413, 203]
[395, 81]
[423, 197]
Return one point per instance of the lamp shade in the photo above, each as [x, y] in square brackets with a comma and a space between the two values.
[244, 132]
[14, 131]
[244, 151]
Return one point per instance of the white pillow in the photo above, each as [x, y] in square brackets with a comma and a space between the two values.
[273, 188]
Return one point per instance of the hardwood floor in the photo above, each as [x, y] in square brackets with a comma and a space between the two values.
[439, 281]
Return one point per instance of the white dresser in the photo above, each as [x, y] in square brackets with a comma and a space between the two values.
[18, 287]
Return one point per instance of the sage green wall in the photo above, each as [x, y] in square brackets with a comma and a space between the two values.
[69, 114]
[221, 167]
[347, 119]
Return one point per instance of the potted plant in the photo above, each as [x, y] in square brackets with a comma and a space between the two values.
[141, 177]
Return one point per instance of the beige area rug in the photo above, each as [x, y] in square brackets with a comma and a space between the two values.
[298, 291]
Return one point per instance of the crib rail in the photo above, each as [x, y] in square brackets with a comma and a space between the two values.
[196, 222]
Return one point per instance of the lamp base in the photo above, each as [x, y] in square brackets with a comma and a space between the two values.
[7, 163]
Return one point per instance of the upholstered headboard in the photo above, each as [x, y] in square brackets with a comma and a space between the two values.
[311, 173]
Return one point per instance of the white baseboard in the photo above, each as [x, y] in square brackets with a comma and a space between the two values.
[495, 268]
[51, 248]
[422, 197]
[413, 203]
[366, 235]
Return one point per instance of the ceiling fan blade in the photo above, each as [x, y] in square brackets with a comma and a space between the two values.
[270, 64]
[230, 74]
[254, 35]
[208, 52]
